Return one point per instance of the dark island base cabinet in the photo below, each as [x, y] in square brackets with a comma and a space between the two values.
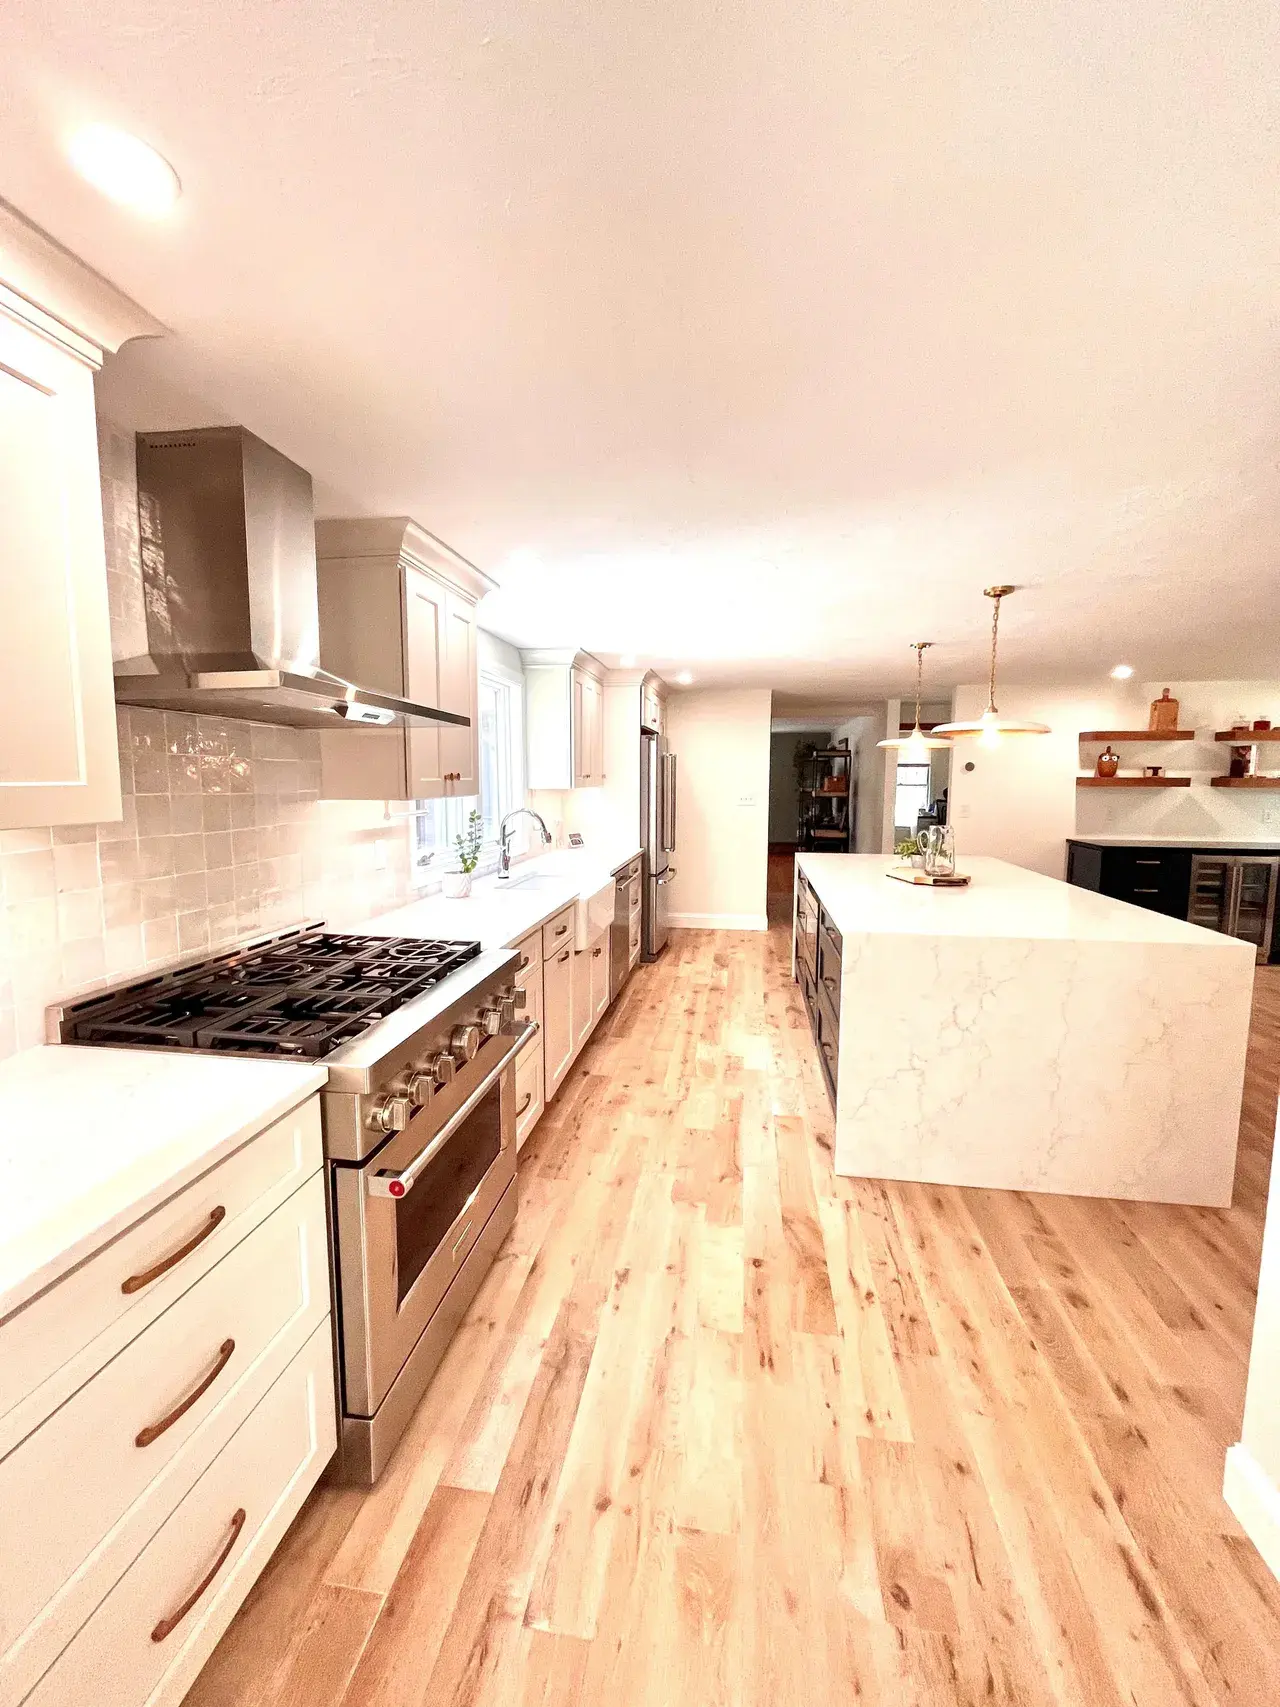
[818, 951]
[1189, 883]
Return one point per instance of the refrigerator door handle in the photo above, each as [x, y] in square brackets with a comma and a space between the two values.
[669, 812]
[1233, 897]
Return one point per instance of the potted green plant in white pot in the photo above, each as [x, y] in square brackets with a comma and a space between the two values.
[456, 878]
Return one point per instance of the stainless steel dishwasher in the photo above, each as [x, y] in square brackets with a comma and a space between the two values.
[624, 933]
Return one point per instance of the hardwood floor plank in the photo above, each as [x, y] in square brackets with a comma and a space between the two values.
[724, 1428]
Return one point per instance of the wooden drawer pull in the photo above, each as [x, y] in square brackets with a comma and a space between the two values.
[168, 1625]
[153, 1431]
[560, 930]
[136, 1282]
[528, 1098]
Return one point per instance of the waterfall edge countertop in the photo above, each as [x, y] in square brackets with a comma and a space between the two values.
[496, 914]
[1027, 1035]
[91, 1140]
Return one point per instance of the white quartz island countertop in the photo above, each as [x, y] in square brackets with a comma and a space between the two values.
[92, 1139]
[1027, 1034]
[497, 914]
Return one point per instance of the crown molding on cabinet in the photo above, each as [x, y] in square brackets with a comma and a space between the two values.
[403, 538]
[565, 656]
[53, 292]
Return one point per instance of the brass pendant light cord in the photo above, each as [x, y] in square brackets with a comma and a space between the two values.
[919, 646]
[995, 625]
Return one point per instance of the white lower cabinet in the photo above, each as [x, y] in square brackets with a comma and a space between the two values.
[185, 1368]
[153, 1632]
[599, 952]
[583, 1012]
[557, 1017]
[529, 1092]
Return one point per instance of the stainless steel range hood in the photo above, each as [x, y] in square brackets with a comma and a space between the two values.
[229, 581]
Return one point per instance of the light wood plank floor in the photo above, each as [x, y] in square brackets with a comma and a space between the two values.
[723, 1428]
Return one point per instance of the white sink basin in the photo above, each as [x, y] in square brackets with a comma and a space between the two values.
[593, 910]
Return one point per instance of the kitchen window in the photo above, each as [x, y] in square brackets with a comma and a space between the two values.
[911, 797]
[438, 823]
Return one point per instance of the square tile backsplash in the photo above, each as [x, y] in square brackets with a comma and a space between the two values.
[223, 835]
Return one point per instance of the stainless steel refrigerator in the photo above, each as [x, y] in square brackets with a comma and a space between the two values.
[657, 836]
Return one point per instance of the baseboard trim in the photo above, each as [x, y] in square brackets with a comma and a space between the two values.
[1255, 1500]
[718, 921]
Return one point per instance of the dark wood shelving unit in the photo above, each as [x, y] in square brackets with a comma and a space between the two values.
[826, 813]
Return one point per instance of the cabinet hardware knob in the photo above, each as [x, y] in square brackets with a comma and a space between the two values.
[136, 1282]
[168, 1625]
[153, 1431]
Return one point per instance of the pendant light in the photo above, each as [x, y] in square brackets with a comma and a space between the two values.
[991, 726]
[916, 747]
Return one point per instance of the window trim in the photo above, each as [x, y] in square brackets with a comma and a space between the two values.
[450, 811]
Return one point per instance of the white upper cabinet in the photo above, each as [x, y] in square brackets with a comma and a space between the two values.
[398, 613]
[58, 762]
[565, 719]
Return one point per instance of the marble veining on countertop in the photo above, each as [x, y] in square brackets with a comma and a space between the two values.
[498, 914]
[93, 1139]
[1001, 901]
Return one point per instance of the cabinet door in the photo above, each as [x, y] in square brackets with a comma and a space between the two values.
[425, 675]
[583, 1014]
[557, 1017]
[578, 728]
[593, 719]
[460, 748]
[599, 980]
[58, 762]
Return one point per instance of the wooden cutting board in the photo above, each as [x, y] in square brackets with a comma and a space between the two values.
[922, 879]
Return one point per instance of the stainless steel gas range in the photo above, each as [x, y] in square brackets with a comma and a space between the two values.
[420, 1040]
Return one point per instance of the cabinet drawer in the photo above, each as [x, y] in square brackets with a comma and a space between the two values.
[529, 1095]
[57, 1341]
[232, 1519]
[111, 1463]
[529, 948]
[557, 933]
[829, 950]
[1157, 878]
[826, 1034]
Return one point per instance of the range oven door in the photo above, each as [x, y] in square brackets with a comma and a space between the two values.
[406, 1220]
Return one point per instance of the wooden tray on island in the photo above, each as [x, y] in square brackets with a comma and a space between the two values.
[922, 879]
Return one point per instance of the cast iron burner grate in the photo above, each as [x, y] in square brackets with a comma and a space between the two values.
[302, 998]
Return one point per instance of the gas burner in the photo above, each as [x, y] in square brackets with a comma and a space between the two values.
[302, 997]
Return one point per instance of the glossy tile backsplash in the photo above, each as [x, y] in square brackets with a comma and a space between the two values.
[224, 834]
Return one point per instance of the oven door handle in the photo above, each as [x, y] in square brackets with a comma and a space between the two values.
[400, 1184]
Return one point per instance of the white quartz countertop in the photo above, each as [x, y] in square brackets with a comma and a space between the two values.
[1113, 841]
[93, 1139]
[1001, 901]
[497, 914]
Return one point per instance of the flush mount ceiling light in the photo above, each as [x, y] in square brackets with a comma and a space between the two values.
[124, 168]
[627, 661]
[916, 747]
[991, 726]
[1122, 672]
[684, 679]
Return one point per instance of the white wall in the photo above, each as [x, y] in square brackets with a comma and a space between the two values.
[1252, 1483]
[1020, 802]
[721, 738]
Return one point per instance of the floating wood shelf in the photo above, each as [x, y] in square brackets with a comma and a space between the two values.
[1137, 735]
[1244, 782]
[1247, 737]
[1134, 781]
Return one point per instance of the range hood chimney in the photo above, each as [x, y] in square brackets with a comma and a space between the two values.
[229, 581]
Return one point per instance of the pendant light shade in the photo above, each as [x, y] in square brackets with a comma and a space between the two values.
[916, 746]
[991, 727]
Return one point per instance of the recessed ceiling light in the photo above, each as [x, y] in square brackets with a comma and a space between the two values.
[124, 168]
[1122, 672]
[685, 679]
[627, 661]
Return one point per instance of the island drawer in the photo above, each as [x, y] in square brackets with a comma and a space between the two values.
[826, 1034]
[830, 950]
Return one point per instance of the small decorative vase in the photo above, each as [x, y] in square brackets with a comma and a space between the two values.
[1108, 763]
[456, 885]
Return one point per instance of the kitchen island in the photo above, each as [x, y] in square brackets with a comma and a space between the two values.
[1022, 1033]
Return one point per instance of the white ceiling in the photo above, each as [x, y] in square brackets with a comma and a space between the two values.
[749, 339]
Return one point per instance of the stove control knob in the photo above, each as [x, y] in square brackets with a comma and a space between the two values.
[518, 1000]
[491, 1020]
[442, 1067]
[464, 1043]
[422, 1084]
[508, 1007]
[392, 1114]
